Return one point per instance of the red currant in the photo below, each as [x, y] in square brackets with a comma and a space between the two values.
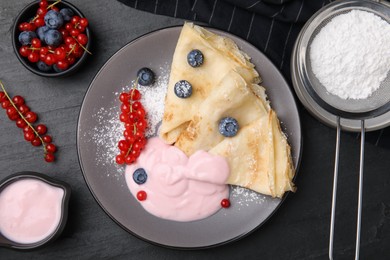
[134, 94]
[29, 136]
[5, 104]
[3, 97]
[47, 138]
[70, 59]
[11, 111]
[123, 145]
[225, 203]
[137, 105]
[26, 27]
[23, 109]
[36, 141]
[24, 51]
[49, 157]
[120, 159]
[20, 123]
[21, 27]
[141, 113]
[44, 50]
[74, 32]
[84, 22]
[133, 117]
[82, 39]
[50, 59]
[129, 159]
[62, 64]
[18, 100]
[141, 125]
[125, 108]
[41, 129]
[64, 32]
[55, 8]
[27, 129]
[124, 97]
[41, 11]
[43, 4]
[75, 20]
[31, 117]
[51, 148]
[39, 22]
[33, 57]
[36, 43]
[68, 26]
[123, 117]
[141, 195]
[60, 54]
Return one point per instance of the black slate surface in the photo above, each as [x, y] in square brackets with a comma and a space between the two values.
[298, 230]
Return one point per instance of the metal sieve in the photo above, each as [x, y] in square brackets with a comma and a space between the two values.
[361, 110]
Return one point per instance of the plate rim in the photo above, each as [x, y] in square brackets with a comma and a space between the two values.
[236, 238]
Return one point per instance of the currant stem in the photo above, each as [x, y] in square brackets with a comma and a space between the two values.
[70, 52]
[50, 6]
[85, 49]
[22, 116]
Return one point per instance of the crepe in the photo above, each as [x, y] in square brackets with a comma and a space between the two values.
[226, 85]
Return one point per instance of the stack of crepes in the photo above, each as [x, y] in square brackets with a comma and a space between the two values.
[226, 85]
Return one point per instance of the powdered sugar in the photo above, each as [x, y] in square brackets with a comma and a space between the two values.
[350, 56]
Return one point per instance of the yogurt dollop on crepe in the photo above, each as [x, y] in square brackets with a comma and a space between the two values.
[179, 187]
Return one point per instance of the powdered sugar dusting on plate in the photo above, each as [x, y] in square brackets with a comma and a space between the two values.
[245, 197]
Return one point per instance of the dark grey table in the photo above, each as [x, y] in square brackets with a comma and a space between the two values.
[298, 230]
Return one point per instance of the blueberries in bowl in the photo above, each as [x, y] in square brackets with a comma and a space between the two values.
[43, 66]
[67, 14]
[26, 37]
[54, 19]
[53, 37]
[41, 31]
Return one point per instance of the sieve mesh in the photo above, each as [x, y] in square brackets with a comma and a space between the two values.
[378, 103]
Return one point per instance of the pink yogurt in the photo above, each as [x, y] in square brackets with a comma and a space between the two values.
[30, 210]
[178, 187]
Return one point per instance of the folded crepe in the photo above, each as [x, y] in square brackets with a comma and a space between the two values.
[226, 85]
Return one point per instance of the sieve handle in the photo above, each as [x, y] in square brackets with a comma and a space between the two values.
[360, 195]
[334, 195]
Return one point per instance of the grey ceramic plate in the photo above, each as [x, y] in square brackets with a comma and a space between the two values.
[248, 211]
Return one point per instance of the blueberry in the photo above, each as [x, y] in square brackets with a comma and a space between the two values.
[26, 37]
[41, 32]
[67, 14]
[56, 69]
[140, 176]
[43, 66]
[53, 19]
[195, 58]
[53, 37]
[228, 127]
[145, 77]
[183, 89]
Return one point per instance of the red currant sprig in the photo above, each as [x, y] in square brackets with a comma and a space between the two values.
[19, 112]
[133, 116]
